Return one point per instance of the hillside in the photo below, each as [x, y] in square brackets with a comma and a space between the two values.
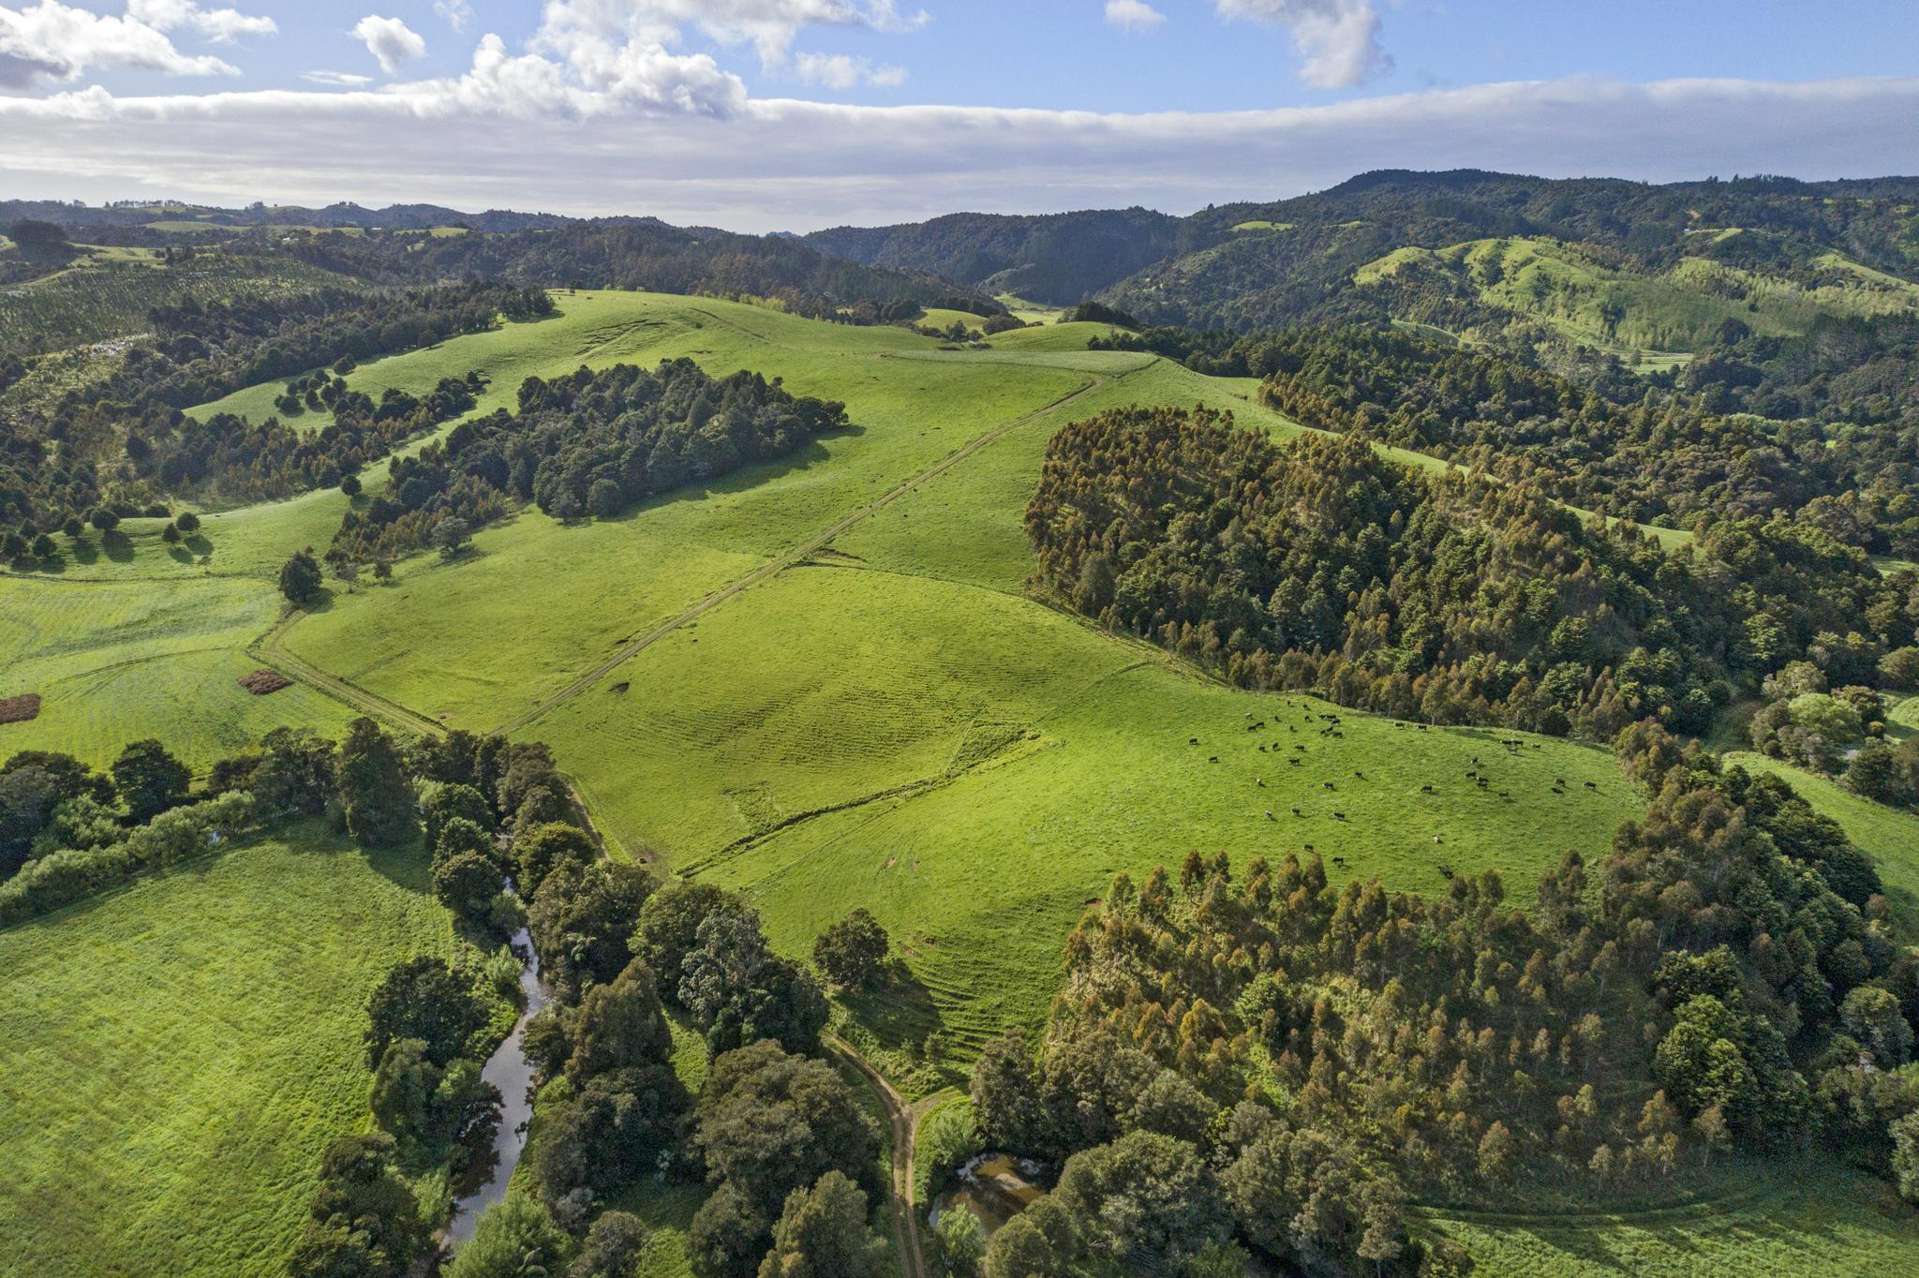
[1058, 259]
[1624, 266]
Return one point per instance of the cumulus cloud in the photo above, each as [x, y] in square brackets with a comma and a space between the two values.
[838, 71]
[390, 41]
[221, 26]
[1338, 38]
[457, 13]
[778, 164]
[1133, 15]
[629, 79]
[337, 79]
[55, 41]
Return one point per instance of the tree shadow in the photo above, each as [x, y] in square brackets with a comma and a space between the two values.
[897, 1010]
[118, 547]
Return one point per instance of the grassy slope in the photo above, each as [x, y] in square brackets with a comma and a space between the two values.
[180, 1053]
[1616, 310]
[1819, 1222]
[115, 662]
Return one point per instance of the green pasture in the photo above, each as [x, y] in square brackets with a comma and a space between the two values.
[117, 662]
[1821, 1221]
[180, 1052]
[974, 767]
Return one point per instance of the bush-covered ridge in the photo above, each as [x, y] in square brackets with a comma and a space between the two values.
[1323, 566]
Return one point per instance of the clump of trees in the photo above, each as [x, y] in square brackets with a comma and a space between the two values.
[1323, 566]
[588, 444]
[1245, 1053]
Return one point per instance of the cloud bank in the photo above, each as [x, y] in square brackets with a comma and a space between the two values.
[673, 136]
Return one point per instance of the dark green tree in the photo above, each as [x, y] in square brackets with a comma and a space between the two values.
[149, 780]
[299, 578]
[421, 998]
[822, 1233]
[373, 787]
[852, 952]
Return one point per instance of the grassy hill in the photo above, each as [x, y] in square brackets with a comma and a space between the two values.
[180, 1053]
[1679, 309]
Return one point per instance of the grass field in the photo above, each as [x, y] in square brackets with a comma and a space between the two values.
[880, 716]
[180, 1053]
[1786, 1222]
[118, 661]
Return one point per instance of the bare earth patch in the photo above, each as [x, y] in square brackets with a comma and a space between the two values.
[21, 708]
[261, 682]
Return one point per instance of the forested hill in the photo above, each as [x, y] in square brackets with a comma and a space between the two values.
[1058, 258]
[1599, 261]
[641, 254]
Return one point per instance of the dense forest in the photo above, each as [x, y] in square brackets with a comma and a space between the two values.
[592, 443]
[1449, 598]
[1246, 1055]
[1635, 453]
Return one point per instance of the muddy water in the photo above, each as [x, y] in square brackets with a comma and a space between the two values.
[994, 1187]
[509, 1070]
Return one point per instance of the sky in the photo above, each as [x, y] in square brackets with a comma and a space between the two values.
[762, 115]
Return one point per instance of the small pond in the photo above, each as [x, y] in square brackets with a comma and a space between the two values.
[994, 1187]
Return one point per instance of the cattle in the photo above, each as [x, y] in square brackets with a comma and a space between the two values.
[1339, 816]
[1326, 785]
[1260, 782]
[1592, 785]
[1425, 789]
[1269, 814]
[1192, 740]
[1213, 759]
[1297, 812]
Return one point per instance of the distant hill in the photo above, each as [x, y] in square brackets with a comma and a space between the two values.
[1059, 258]
[1602, 261]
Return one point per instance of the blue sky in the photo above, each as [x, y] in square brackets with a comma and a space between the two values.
[766, 114]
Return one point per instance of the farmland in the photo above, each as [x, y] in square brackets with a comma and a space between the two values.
[822, 682]
[181, 1051]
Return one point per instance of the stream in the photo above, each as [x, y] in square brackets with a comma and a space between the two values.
[508, 1070]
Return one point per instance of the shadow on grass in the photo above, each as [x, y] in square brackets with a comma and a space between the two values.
[898, 1012]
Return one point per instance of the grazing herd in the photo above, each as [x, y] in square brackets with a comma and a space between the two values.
[1328, 725]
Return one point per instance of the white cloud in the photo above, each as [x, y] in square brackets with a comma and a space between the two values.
[390, 41]
[1338, 38]
[1133, 15]
[631, 79]
[54, 41]
[337, 79]
[769, 25]
[221, 26]
[780, 164]
[838, 71]
[456, 12]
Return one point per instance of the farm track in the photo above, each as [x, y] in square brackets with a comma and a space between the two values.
[905, 1121]
[270, 651]
[793, 556]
